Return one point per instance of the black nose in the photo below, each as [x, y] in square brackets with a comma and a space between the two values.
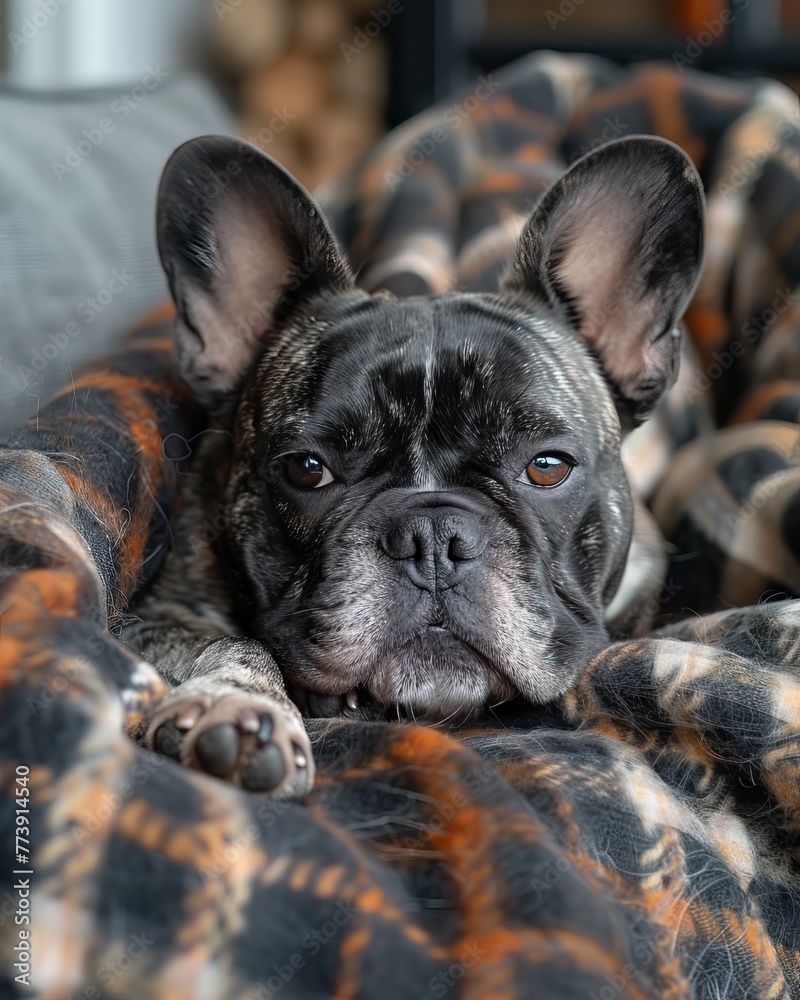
[436, 549]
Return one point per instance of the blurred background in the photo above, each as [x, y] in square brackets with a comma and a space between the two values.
[96, 94]
[349, 69]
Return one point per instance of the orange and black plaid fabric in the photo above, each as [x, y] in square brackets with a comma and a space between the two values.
[635, 840]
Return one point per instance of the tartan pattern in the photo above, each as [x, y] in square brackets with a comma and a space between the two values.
[636, 839]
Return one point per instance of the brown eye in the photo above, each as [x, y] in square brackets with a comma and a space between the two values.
[548, 470]
[307, 471]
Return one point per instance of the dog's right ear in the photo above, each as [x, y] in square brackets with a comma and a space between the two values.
[242, 244]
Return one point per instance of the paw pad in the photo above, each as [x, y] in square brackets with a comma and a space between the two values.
[243, 738]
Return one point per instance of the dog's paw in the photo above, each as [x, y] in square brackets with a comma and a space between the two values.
[248, 739]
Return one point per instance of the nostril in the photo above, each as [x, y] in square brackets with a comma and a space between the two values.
[408, 541]
[461, 548]
[399, 543]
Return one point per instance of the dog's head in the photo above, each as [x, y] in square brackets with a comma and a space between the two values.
[426, 500]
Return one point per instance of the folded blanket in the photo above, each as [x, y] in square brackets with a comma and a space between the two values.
[636, 839]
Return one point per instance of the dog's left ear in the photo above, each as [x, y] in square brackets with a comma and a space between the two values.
[243, 244]
[616, 244]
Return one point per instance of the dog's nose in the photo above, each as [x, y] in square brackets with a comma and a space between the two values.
[436, 550]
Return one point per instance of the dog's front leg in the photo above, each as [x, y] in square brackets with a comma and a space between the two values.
[228, 713]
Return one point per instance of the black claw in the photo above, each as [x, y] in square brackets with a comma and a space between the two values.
[167, 740]
[265, 770]
[217, 749]
[265, 729]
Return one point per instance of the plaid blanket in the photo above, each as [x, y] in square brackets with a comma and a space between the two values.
[636, 839]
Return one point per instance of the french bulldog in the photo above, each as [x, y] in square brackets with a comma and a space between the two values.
[405, 506]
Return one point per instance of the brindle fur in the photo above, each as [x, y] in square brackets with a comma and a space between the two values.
[430, 575]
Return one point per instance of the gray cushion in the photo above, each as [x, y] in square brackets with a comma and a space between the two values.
[78, 263]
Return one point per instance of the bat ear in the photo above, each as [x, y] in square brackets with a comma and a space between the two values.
[242, 244]
[616, 246]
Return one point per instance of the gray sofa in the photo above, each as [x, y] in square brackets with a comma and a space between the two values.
[78, 178]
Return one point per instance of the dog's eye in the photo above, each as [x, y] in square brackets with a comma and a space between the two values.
[548, 470]
[307, 471]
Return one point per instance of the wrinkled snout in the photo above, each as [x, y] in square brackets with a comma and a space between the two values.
[436, 541]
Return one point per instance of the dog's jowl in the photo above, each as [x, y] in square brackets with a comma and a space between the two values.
[420, 503]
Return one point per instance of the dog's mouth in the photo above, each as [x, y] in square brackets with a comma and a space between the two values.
[353, 704]
[359, 704]
[394, 652]
[434, 676]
